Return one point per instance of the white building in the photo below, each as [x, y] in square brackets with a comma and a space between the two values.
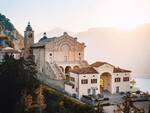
[84, 81]
[98, 77]
[9, 51]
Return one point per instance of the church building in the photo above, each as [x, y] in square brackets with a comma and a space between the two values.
[55, 56]
[62, 57]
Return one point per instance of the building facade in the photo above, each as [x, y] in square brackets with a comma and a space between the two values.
[113, 79]
[83, 81]
[58, 55]
[9, 51]
[98, 78]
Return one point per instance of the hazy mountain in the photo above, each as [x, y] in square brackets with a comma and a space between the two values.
[130, 49]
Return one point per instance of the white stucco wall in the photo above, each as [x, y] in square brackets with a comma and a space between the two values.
[75, 82]
[70, 90]
[39, 55]
[124, 86]
[83, 88]
[105, 68]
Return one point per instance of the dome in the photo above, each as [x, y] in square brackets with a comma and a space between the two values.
[44, 37]
[28, 28]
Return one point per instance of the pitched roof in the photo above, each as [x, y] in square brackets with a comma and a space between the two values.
[86, 70]
[98, 64]
[119, 70]
[9, 50]
[43, 42]
[115, 70]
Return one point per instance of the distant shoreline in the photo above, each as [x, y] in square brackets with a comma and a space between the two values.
[144, 77]
[143, 84]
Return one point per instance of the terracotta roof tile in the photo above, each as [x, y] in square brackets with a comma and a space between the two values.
[119, 70]
[98, 64]
[86, 70]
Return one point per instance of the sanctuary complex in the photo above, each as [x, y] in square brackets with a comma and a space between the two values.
[61, 58]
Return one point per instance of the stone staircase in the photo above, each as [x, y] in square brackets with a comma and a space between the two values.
[58, 71]
[49, 71]
[54, 71]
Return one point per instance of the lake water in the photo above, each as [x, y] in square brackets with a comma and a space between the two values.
[143, 84]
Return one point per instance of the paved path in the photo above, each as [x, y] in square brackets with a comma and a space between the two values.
[114, 98]
[56, 84]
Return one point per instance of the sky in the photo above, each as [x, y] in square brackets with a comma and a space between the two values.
[76, 15]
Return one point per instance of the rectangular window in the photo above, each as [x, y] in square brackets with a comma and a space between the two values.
[125, 79]
[72, 79]
[117, 79]
[93, 81]
[72, 86]
[84, 81]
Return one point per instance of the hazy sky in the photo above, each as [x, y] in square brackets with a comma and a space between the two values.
[76, 15]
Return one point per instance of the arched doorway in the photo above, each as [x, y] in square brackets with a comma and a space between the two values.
[67, 70]
[105, 82]
[65, 49]
[62, 69]
[76, 67]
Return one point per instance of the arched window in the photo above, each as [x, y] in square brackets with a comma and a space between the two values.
[50, 54]
[67, 69]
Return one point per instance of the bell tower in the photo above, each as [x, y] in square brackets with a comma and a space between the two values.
[28, 40]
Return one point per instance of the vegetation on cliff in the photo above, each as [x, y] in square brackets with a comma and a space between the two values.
[11, 32]
[17, 80]
[6, 22]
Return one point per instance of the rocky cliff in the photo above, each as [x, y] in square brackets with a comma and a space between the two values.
[15, 39]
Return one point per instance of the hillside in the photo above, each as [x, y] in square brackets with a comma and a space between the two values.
[8, 29]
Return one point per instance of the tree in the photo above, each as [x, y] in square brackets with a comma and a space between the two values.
[17, 78]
